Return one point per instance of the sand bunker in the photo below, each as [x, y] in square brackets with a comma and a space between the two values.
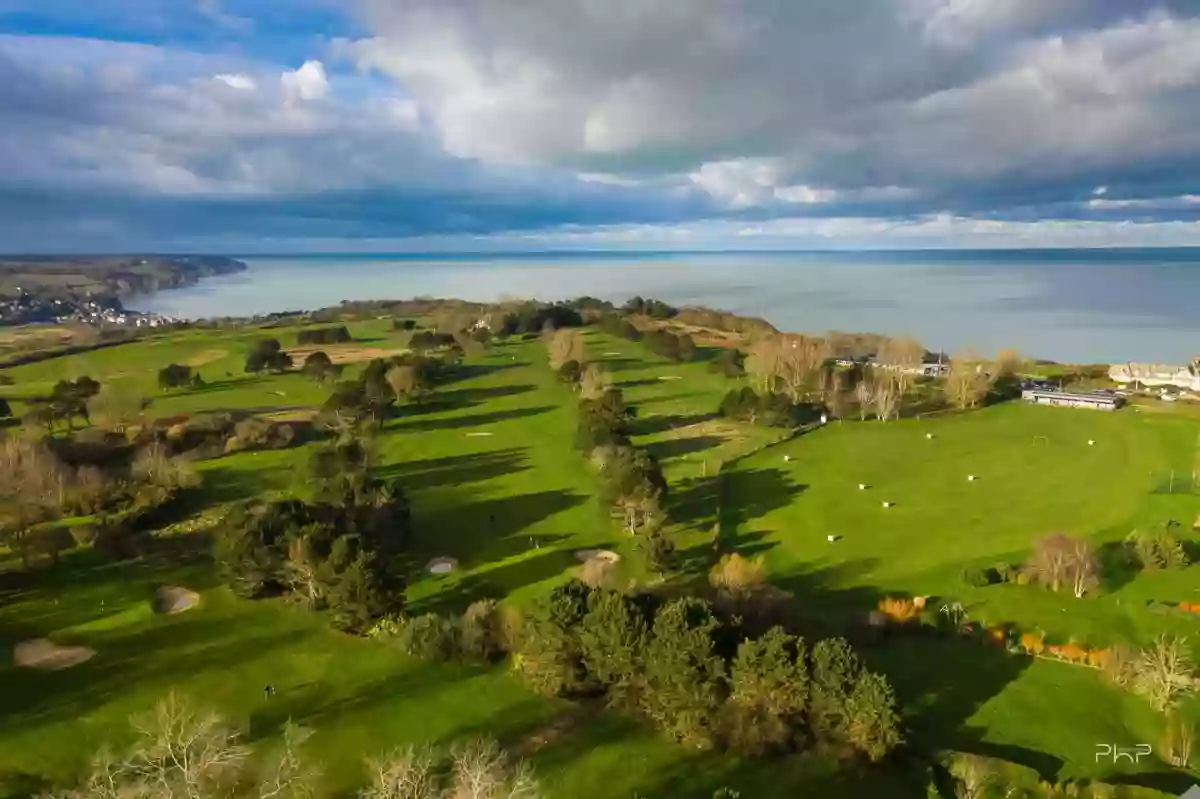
[44, 654]
[477, 435]
[345, 353]
[174, 599]
[601, 555]
[443, 565]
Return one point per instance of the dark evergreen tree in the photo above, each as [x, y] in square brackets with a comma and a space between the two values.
[685, 676]
[613, 638]
[768, 694]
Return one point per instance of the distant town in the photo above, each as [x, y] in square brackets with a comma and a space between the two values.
[26, 308]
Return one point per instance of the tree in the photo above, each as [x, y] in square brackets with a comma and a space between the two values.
[565, 345]
[550, 657]
[901, 358]
[864, 392]
[872, 724]
[174, 376]
[570, 373]
[267, 356]
[1058, 560]
[116, 407]
[1083, 568]
[764, 362]
[659, 550]
[968, 382]
[768, 692]
[595, 382]
[613, 637]
[406, 381]
[684, 674]
[799, 361]
[835, 670]
[319, 366]
[5, 409]
[1165, 672]
[887, 397]
[730, 362]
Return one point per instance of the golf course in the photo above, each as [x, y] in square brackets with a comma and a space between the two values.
[840, 514]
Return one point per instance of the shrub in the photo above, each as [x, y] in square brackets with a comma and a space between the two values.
[1032, 643]
[730, 363]
[431, 637]
[482, 631]
[570, 372]
[899, 610]
[1004, 572]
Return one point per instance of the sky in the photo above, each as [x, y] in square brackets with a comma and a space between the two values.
[436, 125]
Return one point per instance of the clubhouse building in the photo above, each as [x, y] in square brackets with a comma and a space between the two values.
[1097, 400]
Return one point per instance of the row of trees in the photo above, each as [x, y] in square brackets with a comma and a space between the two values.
[384, 382]
[181, 752]
[702, 679]
[323, 335]
[342, 551]
[770, 409]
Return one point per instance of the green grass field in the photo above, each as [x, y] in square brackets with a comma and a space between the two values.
[1036, 474]
[495, 483]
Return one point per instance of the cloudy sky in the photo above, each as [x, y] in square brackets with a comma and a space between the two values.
[291, 125]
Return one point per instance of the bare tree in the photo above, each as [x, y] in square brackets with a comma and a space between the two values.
[179, 754]
[902, 357]
[968, 381]
[1165, 672]
[864, 392]
[973, 776]
[1083, 567]
[1007, 363]
[481, 771]
[287, 775]
[1179, 740]
[594, 382]
[835, 394]
[800, 362]
[887, 398]
[409, 773]
[764, 361]
[1051, 560]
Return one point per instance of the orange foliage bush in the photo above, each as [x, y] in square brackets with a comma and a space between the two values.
[899, 610]
[1032, 643]
[1190, 607]
[1073, 653]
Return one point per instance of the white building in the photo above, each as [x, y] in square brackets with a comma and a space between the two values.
[1154, 375]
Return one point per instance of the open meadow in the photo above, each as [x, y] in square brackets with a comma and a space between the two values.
[494, 482]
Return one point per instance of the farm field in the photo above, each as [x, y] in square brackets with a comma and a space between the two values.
[495, 483]
[1036, 474]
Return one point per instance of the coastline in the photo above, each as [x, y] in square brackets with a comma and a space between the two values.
[1080, 307]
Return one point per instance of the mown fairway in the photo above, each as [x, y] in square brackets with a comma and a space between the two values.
[1036, 474]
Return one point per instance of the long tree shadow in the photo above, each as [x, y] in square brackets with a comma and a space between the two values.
[456, 469]
[751, 494]
[679, 447]
[469, 371]
[661, 423]
[489, 530]
[1118, 566]
[475, 420]
[454, 594]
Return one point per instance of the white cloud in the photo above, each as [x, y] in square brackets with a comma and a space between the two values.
[237, 81]
[306, 83]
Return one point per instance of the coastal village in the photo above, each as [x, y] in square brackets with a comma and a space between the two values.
[25, 308]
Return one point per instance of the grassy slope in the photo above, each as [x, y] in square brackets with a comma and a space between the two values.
[482, 498]
[478, 498]
[1036, 474]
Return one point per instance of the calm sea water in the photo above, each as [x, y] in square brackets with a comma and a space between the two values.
[1069, 305]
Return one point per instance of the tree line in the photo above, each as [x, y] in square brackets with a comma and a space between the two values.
[703, 679]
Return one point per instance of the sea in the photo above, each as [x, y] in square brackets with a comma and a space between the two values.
[1076, 306]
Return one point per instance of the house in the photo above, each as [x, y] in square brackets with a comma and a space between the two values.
[932, 366]
[1153, 374]
[1098, 400]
